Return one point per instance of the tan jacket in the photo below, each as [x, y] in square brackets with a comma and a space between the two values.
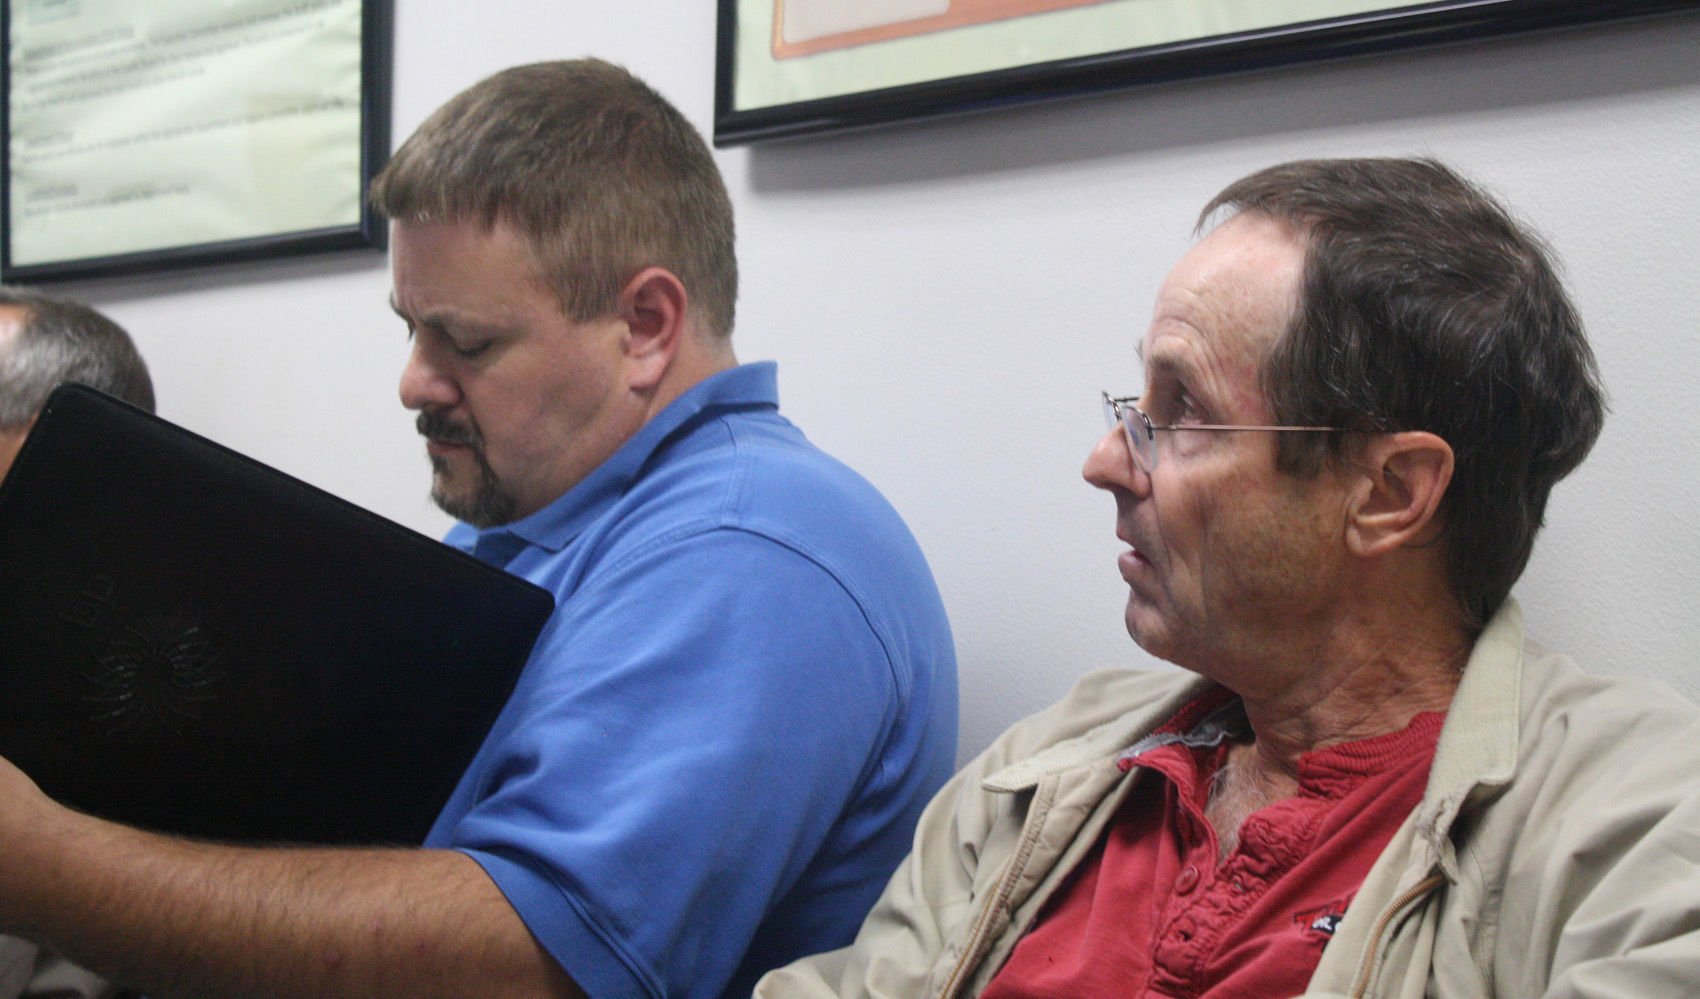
[1556, 851]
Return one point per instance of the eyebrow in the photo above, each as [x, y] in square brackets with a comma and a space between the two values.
[451, 322]
[1166, 361]
[1167, 364]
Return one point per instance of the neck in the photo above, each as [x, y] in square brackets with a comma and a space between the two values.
[1367, 673]
[1335, 700]
[700, 356]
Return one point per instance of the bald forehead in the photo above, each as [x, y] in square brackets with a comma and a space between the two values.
[12, 320]
[1220, 312]
[1238, 286]
[1250, 263]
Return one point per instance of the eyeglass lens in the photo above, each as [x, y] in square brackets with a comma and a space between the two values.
[1136, 428]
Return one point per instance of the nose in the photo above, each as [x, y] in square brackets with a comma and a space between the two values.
[1109, 466]
[423, 384]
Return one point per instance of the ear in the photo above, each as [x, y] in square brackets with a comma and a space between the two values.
[652, 305]
[1401, 478]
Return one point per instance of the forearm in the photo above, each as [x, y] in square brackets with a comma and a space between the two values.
[179, 918]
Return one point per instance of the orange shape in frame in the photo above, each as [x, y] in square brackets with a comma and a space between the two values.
[804, 27]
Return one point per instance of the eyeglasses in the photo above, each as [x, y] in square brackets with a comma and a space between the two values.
[1141, 433]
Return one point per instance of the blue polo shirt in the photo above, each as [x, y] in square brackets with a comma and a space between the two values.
[728, 729]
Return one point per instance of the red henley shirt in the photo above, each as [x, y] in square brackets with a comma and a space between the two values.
[1151, 912]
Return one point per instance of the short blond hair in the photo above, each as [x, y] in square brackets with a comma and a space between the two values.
[595, 169]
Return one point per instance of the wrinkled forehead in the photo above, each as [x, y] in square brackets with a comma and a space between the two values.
[1231, 296]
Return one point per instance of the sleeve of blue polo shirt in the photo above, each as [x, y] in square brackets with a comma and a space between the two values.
[708, 709]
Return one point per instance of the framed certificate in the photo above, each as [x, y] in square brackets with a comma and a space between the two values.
[150, 134]
[795, 67]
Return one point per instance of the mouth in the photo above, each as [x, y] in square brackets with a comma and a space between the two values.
[444, 437]
[438, 448]
[1132, 561]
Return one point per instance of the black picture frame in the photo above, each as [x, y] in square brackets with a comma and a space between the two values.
[1381, 30]
[366, 229]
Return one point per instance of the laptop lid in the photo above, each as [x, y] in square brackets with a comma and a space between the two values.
[194, 642]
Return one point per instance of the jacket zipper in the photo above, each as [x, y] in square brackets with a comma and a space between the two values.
[1360, 987]
[975, 948]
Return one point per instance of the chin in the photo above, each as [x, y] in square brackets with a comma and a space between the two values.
[450, 505]
[1140, 627]
[1148, 631]
[480, 507]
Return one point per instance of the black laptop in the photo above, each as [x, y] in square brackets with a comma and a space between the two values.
[193, 642]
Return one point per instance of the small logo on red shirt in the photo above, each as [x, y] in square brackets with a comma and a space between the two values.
[1321, 922]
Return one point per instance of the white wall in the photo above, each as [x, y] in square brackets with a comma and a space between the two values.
[947, 299]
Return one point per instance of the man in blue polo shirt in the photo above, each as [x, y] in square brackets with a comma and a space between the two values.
[746, 694]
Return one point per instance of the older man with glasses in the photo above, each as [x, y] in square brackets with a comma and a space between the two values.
[1359, 388]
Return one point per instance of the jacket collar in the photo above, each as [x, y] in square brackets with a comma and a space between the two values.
[1099, 745]
[1477, 752]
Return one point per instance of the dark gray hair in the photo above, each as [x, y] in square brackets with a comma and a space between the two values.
[600, 174]
[1425, 306]
[64, 341]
